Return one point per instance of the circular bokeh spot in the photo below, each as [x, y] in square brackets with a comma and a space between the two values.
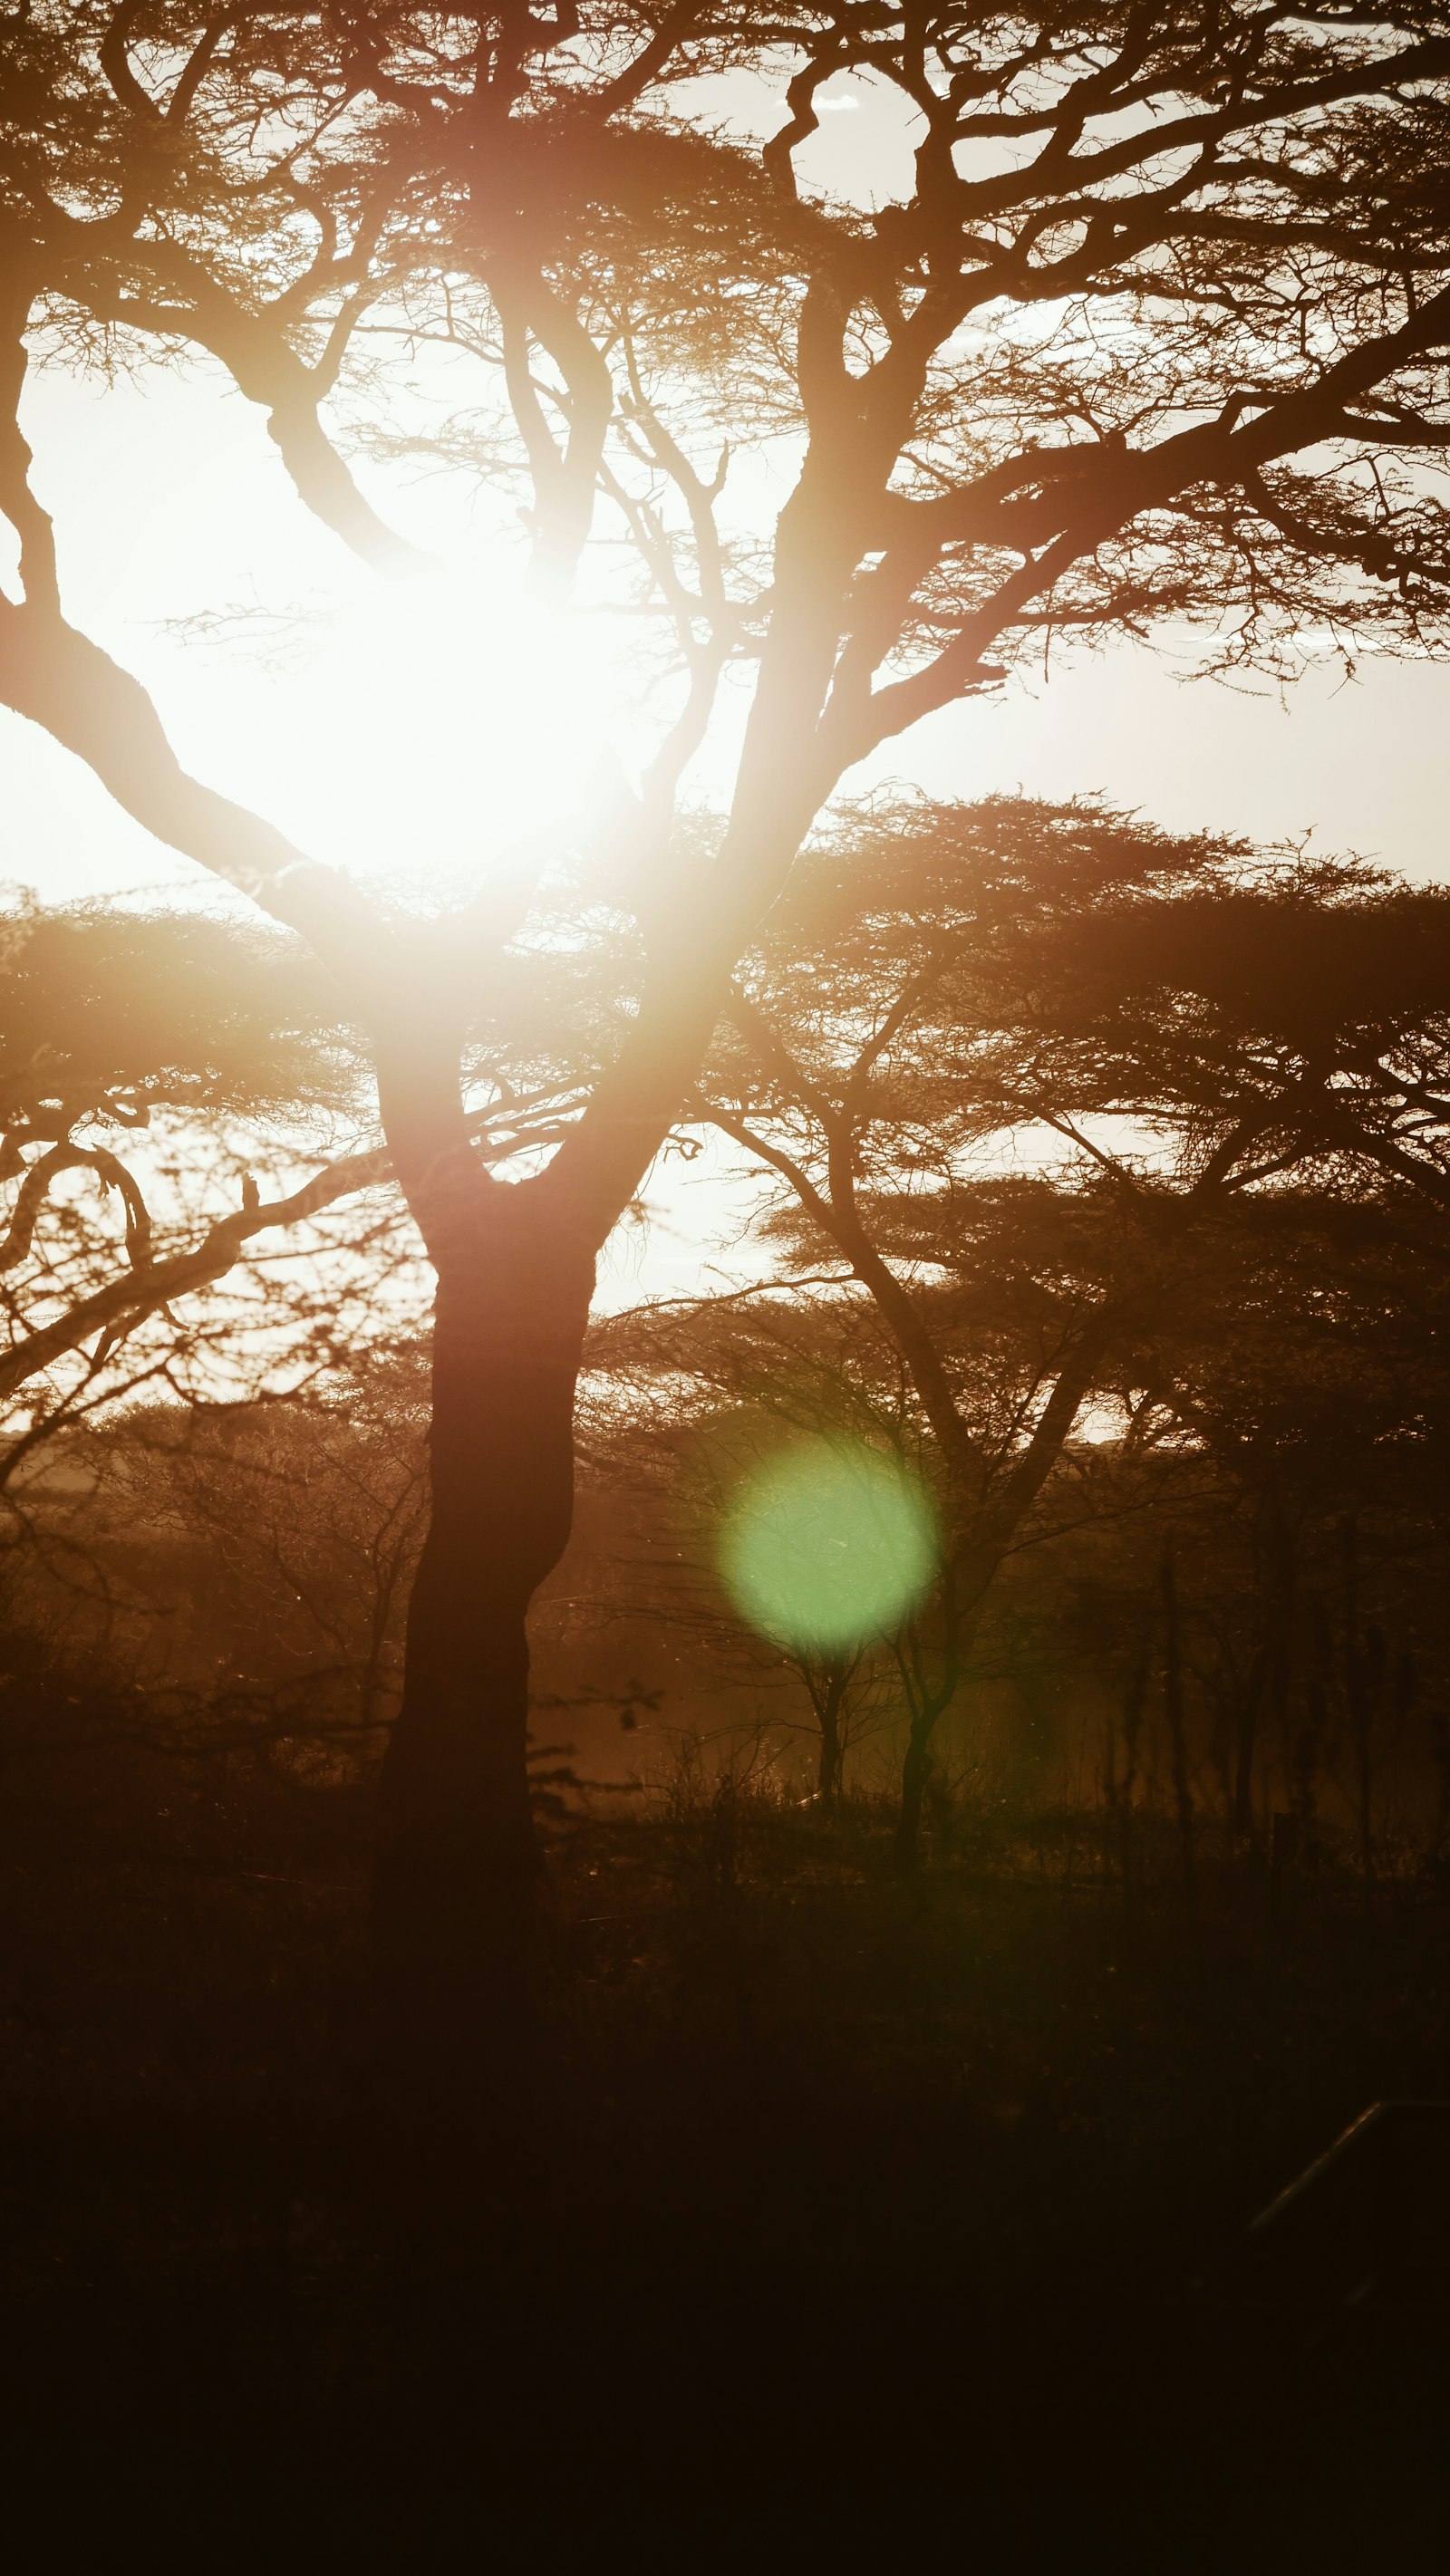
[827, 1544]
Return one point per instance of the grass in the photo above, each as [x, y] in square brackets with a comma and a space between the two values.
[836, 2210]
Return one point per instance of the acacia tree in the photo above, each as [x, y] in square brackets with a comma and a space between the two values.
[1157, 330]
[933, 1003]
[1207, 1051]
[1306, 1360]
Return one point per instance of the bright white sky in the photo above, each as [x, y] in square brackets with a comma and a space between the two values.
[401, 736]
[401, 732]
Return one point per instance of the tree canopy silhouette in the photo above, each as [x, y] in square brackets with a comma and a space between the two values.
[1035, 1078]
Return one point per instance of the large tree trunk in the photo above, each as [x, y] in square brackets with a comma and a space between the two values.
[459, 1872]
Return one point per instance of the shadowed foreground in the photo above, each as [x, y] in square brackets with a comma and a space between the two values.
[833, 2210]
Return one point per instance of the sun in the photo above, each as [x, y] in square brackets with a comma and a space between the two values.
[416, 733]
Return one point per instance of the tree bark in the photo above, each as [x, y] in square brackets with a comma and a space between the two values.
[459, 1869]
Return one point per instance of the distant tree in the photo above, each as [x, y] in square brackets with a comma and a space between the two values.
[1305, 1352]
[752, 1374]
[946, 992]
[906, 1029]
[1156, 331]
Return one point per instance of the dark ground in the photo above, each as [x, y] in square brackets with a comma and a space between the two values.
[838, 2220]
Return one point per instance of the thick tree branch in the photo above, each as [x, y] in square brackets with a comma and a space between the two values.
[60, 680]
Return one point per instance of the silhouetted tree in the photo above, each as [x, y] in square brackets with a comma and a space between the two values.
[915, 1020]
[1156, 331]
[963, 987]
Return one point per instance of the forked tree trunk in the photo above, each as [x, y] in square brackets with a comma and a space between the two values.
[459, 1870]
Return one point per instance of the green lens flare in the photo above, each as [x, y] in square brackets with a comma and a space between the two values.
[827, 1544]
